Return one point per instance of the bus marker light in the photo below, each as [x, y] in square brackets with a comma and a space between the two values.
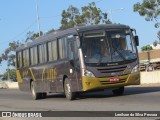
[71, 71]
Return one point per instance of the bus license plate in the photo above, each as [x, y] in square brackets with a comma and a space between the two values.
[114, 79]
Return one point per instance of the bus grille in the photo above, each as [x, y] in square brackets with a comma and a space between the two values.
[108, 82]
[112, 70]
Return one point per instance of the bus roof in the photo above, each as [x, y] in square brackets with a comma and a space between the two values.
[75, 30]
[102, 26]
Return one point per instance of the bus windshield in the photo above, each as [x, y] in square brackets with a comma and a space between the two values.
[114, 46]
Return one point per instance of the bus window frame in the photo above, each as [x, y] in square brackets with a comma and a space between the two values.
[44, 43]
[66, 58]
[48, 51]
[28, 56]
[18, 64]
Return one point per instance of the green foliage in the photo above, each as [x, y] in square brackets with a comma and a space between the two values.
[150, 9]
[9, 53]
[155, 43]
[146, 48]
[31, 36]
[69, 17]
[50, 31]
[89, 15]
[12, 74]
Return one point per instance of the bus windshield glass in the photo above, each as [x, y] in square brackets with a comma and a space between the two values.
[114, 46]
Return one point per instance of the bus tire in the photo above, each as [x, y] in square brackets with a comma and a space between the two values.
[68, 90]
[35, 95]
[119, 91]
[43, 95]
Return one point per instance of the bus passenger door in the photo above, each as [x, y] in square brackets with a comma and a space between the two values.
[74, 68]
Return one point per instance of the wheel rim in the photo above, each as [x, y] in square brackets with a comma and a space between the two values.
[67, 89]
[33, 91]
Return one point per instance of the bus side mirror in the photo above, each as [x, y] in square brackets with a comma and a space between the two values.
[136, 39]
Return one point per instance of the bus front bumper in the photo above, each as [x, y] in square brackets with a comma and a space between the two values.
[93, 83]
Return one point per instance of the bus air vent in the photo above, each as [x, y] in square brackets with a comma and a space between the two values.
[112, 69]
[94, 34]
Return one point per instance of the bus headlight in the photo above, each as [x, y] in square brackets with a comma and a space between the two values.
[135, 69]
[88, 73]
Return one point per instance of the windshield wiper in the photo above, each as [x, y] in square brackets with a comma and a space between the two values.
[116, 50]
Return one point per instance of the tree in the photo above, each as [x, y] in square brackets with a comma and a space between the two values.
[31, 36]
[155, 43]
[146, 48]
[151, 10]
[69, 17]
[50, 31]
[9, 53]
[12, 74]
[90, 15]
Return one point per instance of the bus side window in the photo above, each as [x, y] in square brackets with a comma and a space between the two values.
[71, 49]
[42, 53]
[62, 48]
[52, 50]
[33, 55]
[19, 59]
[25, 57]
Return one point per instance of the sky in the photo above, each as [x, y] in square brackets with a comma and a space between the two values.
[17, 17]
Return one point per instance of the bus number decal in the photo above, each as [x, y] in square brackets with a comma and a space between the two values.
[49, 74]
[25, 73]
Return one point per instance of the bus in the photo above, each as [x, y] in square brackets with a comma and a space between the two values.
[79, 59]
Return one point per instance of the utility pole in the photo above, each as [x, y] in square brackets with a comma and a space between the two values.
[38, 20]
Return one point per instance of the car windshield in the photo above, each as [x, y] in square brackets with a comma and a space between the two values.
[114, 46]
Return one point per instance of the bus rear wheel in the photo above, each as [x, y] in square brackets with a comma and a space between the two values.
[119, 91]
[35, 95]
[43, 95]
[68, 90]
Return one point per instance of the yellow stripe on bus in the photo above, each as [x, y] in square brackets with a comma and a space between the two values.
[43, 74]
[32, 74]
[19, 78]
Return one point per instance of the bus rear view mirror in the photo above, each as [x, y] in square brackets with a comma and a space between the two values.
[136, 40]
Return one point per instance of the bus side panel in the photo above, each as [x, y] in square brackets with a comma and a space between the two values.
[60, 71]
[23, 78]
[45, 77]
[76, 79]
[63, 71]
[73, 74]
[79, 81]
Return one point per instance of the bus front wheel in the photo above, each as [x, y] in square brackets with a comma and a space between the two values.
[119, 91]
[68, 90]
